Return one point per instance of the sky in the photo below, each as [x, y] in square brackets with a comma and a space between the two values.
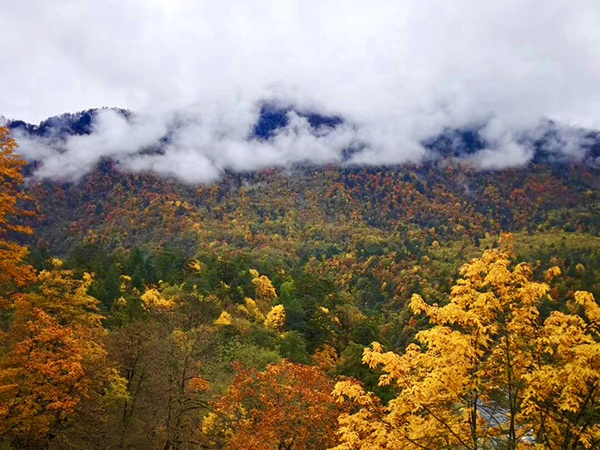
[397, 70]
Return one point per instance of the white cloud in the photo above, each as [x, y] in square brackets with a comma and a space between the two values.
[398, 70]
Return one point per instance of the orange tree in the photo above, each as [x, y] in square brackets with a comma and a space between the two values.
[13, 273]
[51, 352]
[54, 359]
[288, 406]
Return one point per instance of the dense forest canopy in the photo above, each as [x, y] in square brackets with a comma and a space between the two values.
[300, 225]
[142, 312]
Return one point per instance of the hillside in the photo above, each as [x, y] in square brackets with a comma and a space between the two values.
[186, 273]
[300, 225]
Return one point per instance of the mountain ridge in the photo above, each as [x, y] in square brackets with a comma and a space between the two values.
[550, 142]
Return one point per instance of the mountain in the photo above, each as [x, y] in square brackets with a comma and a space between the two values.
[549, 142]
[127, 209]
[288, 271]
[64, 125]
[271, 119]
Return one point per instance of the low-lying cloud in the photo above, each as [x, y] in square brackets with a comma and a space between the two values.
[193, 148]
[398, 72]
[199, 148]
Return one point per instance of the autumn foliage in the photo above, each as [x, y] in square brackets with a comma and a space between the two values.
[288, 406]
[491, 372]
[14, 274]
[221, 316]
[54, 357]
[51, 355]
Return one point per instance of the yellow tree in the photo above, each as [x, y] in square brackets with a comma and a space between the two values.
[265, 291]
[13, 273]
[275, 320]
[490, 373]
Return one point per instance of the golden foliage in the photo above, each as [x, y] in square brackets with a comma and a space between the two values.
[275, 320]
[552, 273]
[42, 379]
[489, 373]
[198, 384]
[153, 299]
[196, 266]
[250, 308]
[265, 291]
[224, 319]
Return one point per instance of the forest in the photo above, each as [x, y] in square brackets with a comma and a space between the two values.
[418, 307]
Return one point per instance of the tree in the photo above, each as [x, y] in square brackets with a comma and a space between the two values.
[288, 407]
[13, 273]
[275, 319]
[54, 360]
[162, 360]
[491, 372]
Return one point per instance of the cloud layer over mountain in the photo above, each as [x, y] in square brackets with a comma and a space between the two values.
[398, 72]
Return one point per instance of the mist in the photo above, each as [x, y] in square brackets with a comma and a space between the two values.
[397, 73]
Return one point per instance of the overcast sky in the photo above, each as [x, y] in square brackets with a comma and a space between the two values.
[398, 69]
